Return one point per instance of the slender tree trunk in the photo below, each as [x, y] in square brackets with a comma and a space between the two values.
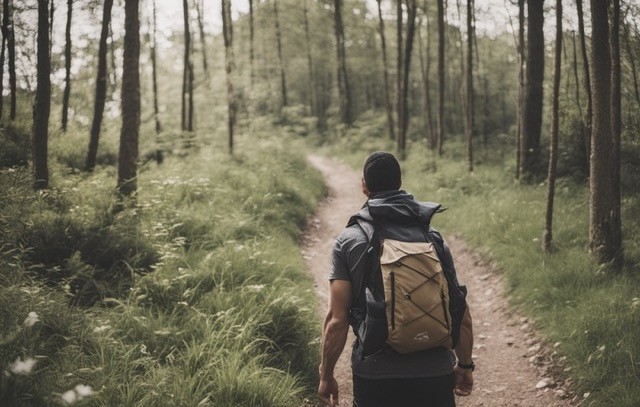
[42, 105]
[553, 143]
[114, 65]
[101, 87]
[312, 88]
[128, 157]
[343, 82]
[587, 86]
[190, 101]
[251, 41]
[470, 113]
[283, 79]
[575, 74]
[601, 202]
[52, 10]
[532, 115]
[67, 67]
[425, 70]
[441, 77]
[11, 47]
[385, 71]
[521, 86]
[632, 60]
[186, 73]
[399, 72]
[154, 76]
[227, 31]
[5, 36]
[412, 9]
[616, 127]
[203, 39]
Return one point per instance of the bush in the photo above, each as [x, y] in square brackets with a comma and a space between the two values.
[15, 146]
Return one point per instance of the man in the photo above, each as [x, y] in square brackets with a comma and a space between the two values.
[388, 378]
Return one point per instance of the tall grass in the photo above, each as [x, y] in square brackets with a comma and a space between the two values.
[593, 312]
[195, 296]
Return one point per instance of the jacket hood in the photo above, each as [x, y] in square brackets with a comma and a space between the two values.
[398, 207]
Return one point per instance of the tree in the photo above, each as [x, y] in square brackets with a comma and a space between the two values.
[187, 73]
[42, 105]
[532, 114]
[101, 87]
[521, 62]
[403, 112]
[227, 34]
[616, 126]
[343, 81]
[251, 41]
[5, 36]
[154, 77]
[307, 34]
[587, 85]
[470, 116]
[199, 11]
[425, 68]
[67, 67]
[399, 72]
[11, 48]
[553, 143]
[603, 244]
[283, 79]
[385, 70]
[441, 77]
[128, 156]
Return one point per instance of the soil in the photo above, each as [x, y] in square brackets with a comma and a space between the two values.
[514, 367]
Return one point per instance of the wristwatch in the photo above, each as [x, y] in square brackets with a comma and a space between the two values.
[471, 366]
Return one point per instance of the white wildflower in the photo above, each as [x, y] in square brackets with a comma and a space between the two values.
[31, 319]
[101, 328]
[69, 397]
[143, 349]
[76, 394]
[83, 390]
[22, 367]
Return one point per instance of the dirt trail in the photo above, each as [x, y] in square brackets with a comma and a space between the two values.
[512, 364]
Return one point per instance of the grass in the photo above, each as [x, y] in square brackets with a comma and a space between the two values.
[593, 312]
[198, 295]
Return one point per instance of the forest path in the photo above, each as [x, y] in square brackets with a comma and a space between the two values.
[511, 369]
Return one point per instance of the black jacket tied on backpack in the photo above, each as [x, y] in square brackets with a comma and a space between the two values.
[396, 215]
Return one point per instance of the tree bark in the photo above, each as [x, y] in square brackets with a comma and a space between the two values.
[101, 87]
[521, 63]
[587, 87]
[5, 36]
[601, 202]
[186, 73]
[616, 127]
[251, 42]
[227, 34]
[412, 9]
[203, 39]
[385, 71]
[114, 65]
[283, 78]
[441, 77]
[343, 82]
[11, 48]
[154, 77]
[575, 74]
[399, 73]
[425, 68]
[553, 143]
[42, 105]
[470, 113]
[532, 115]
[312, 87]
[128, 157]
[67, 67]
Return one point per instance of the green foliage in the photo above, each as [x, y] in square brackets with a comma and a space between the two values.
[15, 146]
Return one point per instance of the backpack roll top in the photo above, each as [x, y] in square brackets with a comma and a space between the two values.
[417, 296]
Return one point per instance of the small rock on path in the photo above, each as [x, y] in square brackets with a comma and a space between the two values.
[513, 365]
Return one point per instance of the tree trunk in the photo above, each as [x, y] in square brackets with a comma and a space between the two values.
[343, 82]
[67, 67]
[251, 42]
[412, 9]
[399, 72]
[632, 60]
[186, 73]
[601, 202]
[587, 87]
[203, 40]
[553, 143]
[441, 77]
[425, 68]
[154, 76]
[101, 87]
[521, 62]
[385, 70]
[283, 79]
[11, 47]
[616, 126]
[42, 105]
[532, 115]
[128, 157]
[114, 66]
[312, 97]
[227, 31]
[5, 36]
[575, 73]
[470, 113]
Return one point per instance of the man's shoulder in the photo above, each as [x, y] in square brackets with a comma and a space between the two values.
[351, 237]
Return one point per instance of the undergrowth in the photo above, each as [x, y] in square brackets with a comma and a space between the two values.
[592, 312]
[195, 296]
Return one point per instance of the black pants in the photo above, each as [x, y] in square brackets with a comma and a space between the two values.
[420, 392]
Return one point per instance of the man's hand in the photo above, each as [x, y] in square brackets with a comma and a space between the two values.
[328, 391]
[464, 381]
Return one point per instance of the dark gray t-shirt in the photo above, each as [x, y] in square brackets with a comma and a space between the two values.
[348, 264]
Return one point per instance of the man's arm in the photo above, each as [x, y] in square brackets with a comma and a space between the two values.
[334, 337]
[464, 377]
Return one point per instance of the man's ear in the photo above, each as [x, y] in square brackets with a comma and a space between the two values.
[365, 190]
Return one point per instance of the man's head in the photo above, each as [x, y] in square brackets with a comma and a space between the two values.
[381, 173]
